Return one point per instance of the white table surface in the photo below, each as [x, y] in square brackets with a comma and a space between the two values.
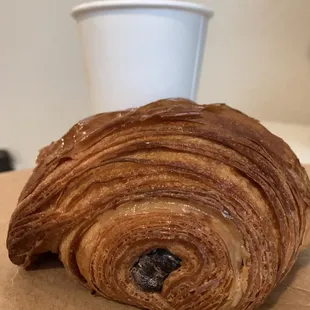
[297, 136]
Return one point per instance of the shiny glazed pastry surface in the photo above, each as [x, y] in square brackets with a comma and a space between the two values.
[171, 206]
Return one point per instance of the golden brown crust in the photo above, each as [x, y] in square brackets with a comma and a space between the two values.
[206, 182]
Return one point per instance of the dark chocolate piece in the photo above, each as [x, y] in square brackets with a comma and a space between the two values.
[153, 268]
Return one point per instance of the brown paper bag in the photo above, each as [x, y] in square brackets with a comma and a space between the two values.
[50, 288]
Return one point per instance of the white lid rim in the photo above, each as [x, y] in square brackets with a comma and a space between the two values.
[121, 4]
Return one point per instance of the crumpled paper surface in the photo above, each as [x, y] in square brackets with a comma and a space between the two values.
[50, 288]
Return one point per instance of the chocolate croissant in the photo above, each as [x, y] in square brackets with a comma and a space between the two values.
[169, 206]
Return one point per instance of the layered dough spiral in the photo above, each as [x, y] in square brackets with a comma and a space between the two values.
[171, 206]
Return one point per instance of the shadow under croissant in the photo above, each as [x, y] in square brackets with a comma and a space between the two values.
[46, 260]
[301, 263]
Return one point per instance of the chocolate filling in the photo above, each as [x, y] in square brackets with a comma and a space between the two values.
[153, 268]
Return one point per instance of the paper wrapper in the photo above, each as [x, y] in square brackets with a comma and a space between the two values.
[51, 288]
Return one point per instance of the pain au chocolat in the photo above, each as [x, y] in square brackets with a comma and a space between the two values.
[171, 206]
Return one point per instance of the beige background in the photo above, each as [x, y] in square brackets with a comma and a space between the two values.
[257, 60]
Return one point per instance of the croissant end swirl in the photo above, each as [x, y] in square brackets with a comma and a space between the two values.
[170, 206]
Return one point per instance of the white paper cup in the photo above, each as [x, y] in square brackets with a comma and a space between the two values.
[140, 51]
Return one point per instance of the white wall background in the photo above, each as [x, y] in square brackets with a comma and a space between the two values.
[257, 60]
